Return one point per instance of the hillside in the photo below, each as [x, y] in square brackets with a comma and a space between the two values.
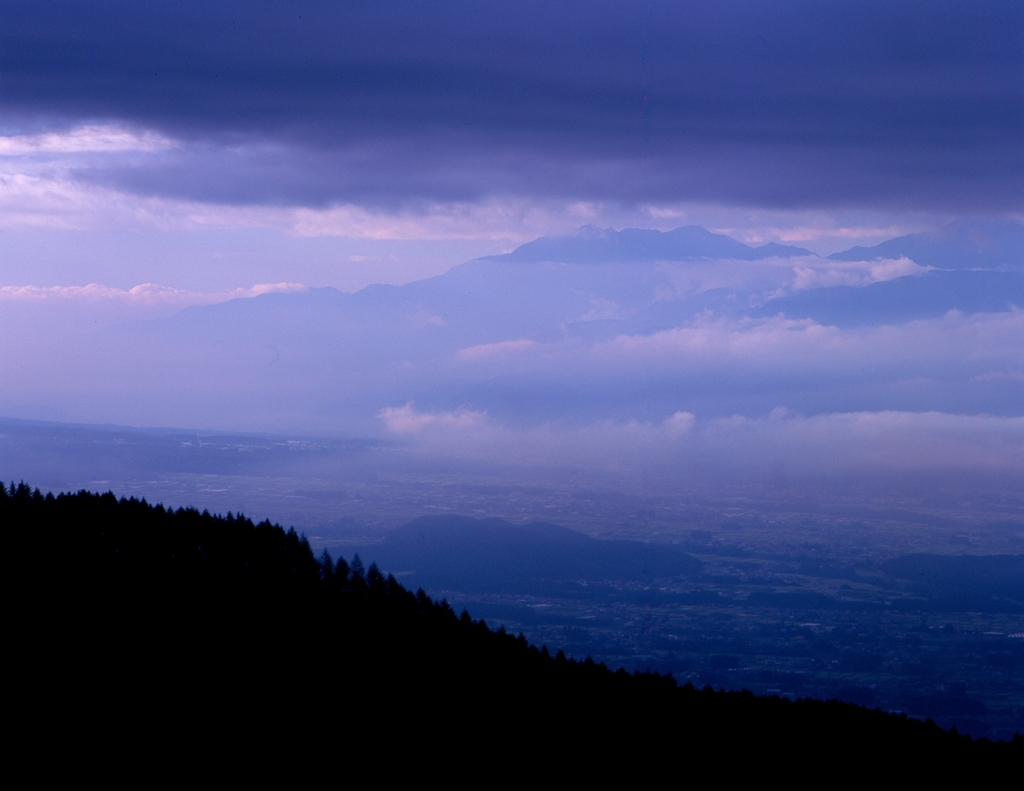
[133, 619]
[492, 555]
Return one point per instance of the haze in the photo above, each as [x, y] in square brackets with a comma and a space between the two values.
[687, 336]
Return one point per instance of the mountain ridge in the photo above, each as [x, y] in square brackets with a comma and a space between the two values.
[591, 244]
[450, 551]
[960, 245]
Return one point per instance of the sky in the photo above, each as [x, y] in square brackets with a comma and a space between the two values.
[158, 157]
[163, 142]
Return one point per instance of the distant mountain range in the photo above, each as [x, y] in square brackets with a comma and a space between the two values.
[960, 245]
[592, 245]
[964, 244]
[476, 336]
[634, 281]
[601, 283]
[904, 299]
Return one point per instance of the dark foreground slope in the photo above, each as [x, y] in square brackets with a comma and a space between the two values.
[138, 628]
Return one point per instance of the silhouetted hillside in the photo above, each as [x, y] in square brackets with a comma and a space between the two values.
[968, 582]
[134, 624]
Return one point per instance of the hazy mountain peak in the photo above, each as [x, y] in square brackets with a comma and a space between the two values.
[590, 244]
[963, 244]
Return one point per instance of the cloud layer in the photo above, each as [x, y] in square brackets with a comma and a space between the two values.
[777, 448]
[787, 104]
[147, 294]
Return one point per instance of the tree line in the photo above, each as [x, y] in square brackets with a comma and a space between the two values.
[185, 622]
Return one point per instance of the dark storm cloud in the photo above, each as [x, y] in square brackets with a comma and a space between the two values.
[786, 103]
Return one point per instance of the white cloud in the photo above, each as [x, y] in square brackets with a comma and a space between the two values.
[144, 293]
[487, 351]
[853, 273]
[780, 345]
[819, 446]
[601, 310]
[890, 269]
[714, 364]
[41, 184]
[406, 420]
[679, 423]
[88, 138]
[49, 194]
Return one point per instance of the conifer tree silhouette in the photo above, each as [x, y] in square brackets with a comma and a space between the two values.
[181, 621]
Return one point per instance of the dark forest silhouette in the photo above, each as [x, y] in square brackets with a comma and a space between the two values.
[129, 618]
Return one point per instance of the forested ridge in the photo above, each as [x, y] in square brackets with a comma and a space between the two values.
[122, 611]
